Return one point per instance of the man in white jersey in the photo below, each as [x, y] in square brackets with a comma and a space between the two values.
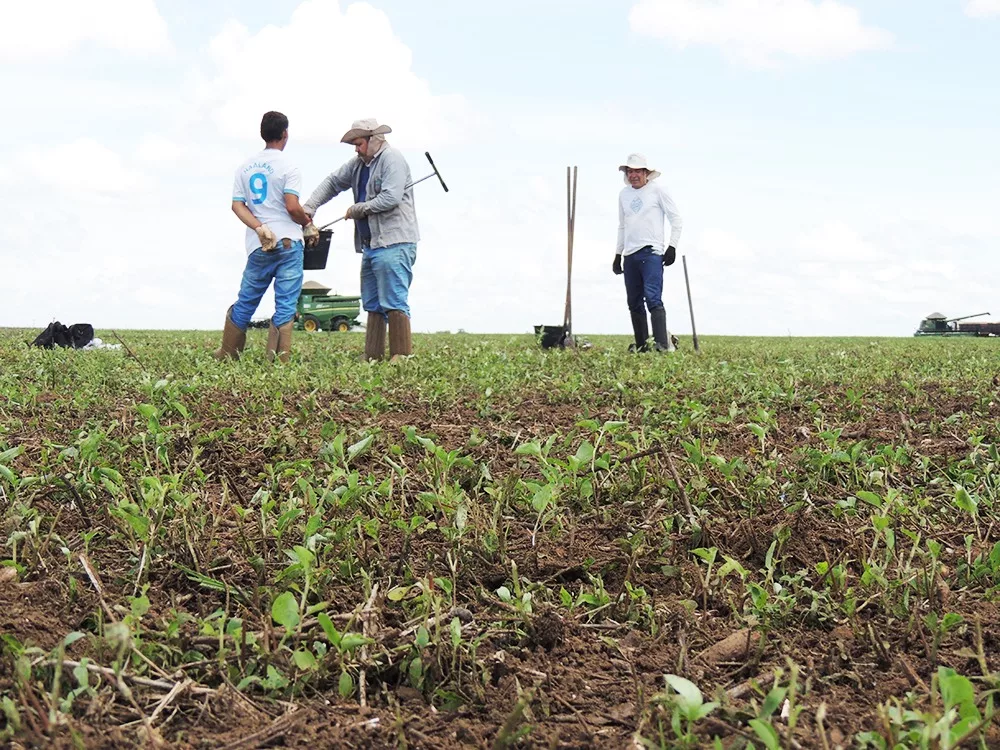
[266, 199]
[642, 252]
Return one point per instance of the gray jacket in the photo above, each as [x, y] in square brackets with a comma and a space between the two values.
[389, 207]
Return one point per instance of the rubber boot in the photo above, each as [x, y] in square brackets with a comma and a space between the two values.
[641, 331]
[660, 335]
[400, 341]
[233, 339]
[375, 337]
[279, 341]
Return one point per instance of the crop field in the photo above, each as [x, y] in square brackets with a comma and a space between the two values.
[774, 543]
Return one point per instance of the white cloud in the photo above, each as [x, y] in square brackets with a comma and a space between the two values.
[84, 168]
[838, 243]
[827, 278]
[161, 295]
[155, 149]
[113, 255]
[320, 96]
[717, 244]
[43, 29]
[581, 125]
[982, 8]
[761, 32]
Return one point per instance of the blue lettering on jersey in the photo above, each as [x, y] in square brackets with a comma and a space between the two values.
[259, 166]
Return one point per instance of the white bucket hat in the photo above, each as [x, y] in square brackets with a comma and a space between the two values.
[365, 128]
[636, 161]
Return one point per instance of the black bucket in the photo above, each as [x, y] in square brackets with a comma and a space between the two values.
[551, 336]
[314, 258]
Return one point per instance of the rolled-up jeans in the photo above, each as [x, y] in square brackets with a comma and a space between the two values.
[386, 274]
[283, 265]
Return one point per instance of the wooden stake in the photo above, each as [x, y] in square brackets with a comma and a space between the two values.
[130, 352]
[570, 225]
[687, 283]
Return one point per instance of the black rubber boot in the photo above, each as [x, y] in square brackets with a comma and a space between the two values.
[660, 335]
[641, 331]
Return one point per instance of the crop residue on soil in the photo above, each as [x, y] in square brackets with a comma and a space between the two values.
[494, 546]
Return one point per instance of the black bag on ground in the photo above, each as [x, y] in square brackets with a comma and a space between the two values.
[56, 334]
[81, 334]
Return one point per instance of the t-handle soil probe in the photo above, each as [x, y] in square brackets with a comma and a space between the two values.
[435, 173]
[694, 331]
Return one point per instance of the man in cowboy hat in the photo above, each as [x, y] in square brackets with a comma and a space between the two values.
[642, 252]
[385, 232]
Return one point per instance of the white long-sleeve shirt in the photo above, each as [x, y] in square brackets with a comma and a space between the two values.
[641, 213]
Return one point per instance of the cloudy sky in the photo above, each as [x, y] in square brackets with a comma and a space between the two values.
[835, 161]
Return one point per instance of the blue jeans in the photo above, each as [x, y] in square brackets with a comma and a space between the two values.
[386, 273]
[643, 280]
[284, 266]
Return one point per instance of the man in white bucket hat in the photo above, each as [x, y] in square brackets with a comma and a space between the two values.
[642, 251]
[385, 232]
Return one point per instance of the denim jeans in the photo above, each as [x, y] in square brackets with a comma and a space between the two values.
[284, 266]
[643, 280]
[386, 273]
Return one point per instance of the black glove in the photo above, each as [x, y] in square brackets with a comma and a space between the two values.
[670, 256]
[617, 265]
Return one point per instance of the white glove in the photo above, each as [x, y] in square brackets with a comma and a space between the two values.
[267, 239]
[311, 235]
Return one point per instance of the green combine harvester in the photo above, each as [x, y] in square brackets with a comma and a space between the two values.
[318, 310]
[936, 324]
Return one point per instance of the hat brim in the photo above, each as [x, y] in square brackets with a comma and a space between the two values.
[653, 174]
[353, 133]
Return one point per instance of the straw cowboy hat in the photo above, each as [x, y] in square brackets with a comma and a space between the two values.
[365, 128]
[636, 161]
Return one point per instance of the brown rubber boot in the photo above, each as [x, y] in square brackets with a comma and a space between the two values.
[279, 341]
[233, 339]
[375, 337]
[400, 344]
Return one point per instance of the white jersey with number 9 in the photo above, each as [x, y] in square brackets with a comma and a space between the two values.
[261, 183]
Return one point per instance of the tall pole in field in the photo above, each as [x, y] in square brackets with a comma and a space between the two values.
[570, 226]
[687, 283]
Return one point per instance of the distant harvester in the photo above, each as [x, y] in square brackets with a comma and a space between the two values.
[936, 324]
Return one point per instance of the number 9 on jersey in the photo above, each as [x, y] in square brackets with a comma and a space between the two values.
[258, 186]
